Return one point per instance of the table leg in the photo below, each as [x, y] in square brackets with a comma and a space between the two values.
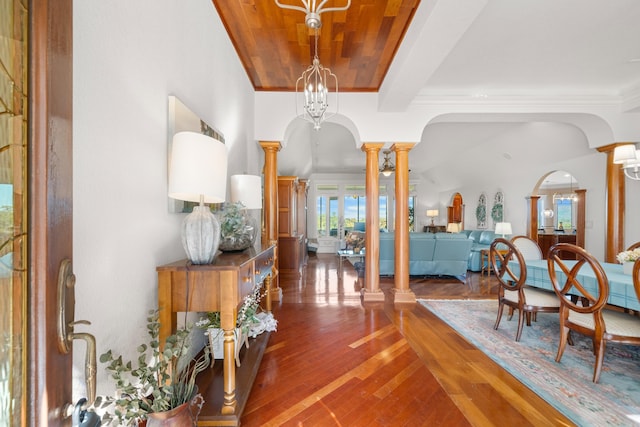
[267, 285]
[229, 372]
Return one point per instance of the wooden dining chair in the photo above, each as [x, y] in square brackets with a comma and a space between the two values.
[636, 245]
[513, 291]
[588, 314]
[528, 247]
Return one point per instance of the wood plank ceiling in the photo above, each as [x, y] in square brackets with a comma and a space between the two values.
[275, 46]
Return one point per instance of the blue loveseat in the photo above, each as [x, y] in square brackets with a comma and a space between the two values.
[439, 254]
[481, 239]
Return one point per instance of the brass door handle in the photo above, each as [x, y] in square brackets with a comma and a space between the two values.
[66, 335]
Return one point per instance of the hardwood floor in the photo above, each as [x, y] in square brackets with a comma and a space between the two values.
[337, 362]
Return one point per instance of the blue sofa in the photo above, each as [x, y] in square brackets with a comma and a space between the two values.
[439, 254]
[481, 239]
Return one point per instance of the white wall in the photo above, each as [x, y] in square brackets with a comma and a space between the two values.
[128, 57]
[526, 154]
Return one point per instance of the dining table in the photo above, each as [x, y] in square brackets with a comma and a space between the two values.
[621, 290]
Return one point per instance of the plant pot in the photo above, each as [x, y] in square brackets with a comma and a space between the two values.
[182, 416]
[176, 417]
[216, 343]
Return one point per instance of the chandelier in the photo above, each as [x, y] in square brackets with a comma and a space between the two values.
[317, 83]
[629, 157]
[387, 167]
[557, 197]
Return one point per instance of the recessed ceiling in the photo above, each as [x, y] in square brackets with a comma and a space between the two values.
[476, 50]
[275, 45]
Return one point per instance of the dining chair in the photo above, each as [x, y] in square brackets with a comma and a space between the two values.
[588, 314]
[513, 291]
[528, 247]
[636, 245]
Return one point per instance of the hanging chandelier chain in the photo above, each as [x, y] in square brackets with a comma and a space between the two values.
[317, 83]
[312, 11]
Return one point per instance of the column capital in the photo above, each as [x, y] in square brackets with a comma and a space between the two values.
[610, 147]
[402, 146]
[371, 146]
[270, 145]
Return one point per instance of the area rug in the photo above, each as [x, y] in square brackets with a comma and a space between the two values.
[567, 385]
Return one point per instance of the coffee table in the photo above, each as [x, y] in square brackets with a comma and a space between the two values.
[347, 253]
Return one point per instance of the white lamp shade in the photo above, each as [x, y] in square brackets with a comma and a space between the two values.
[624, 154]
[432, 212]
[247, 189]
[198, 168]
[503, 228]
[453, 227]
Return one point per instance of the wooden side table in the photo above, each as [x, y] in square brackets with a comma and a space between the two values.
[220, 286]
[484, 255]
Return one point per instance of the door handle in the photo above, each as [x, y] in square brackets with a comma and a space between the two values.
[66, 334]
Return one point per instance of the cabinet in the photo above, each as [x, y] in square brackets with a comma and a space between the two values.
[220, 286]
[545, 241]
[292, 225]
[434, 229]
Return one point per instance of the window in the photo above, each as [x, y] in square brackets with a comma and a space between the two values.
[355, 210]
[327, 214]
[564, 214]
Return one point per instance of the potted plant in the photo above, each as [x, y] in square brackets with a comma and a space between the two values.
[237, 229]
[157, 383]
[627, 259]
[250, 323]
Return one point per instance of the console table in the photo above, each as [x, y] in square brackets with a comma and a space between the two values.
[219, 286]
[434, 229]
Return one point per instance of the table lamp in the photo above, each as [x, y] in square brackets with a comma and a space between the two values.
[198, 173]
[247, 189]
[453, 227]
[432, 213]
[503, 228]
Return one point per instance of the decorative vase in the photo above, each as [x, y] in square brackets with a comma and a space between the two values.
[200, 235]
[627, 267]
[238, 230]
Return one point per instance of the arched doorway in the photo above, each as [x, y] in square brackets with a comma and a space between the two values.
[455, 212]
[557, 210]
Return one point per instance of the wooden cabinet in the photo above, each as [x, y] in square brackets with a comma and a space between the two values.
[292, 225]
[545, 241]
[220, 286]
[287, 201]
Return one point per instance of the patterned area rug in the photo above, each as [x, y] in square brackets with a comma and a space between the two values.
[567, 385]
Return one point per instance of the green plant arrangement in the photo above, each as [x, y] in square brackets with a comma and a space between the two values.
[237, 230]
[496, 212]
[156, 382]
[250, 320]
[481, 213]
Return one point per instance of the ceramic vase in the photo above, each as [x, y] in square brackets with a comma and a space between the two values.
[201, 235]
[627, 268]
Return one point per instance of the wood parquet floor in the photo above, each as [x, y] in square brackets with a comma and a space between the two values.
[337, 362]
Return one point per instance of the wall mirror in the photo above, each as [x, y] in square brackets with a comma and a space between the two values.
[181, 119]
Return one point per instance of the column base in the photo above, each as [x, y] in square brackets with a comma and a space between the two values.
[403, 297]
[372, 296]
